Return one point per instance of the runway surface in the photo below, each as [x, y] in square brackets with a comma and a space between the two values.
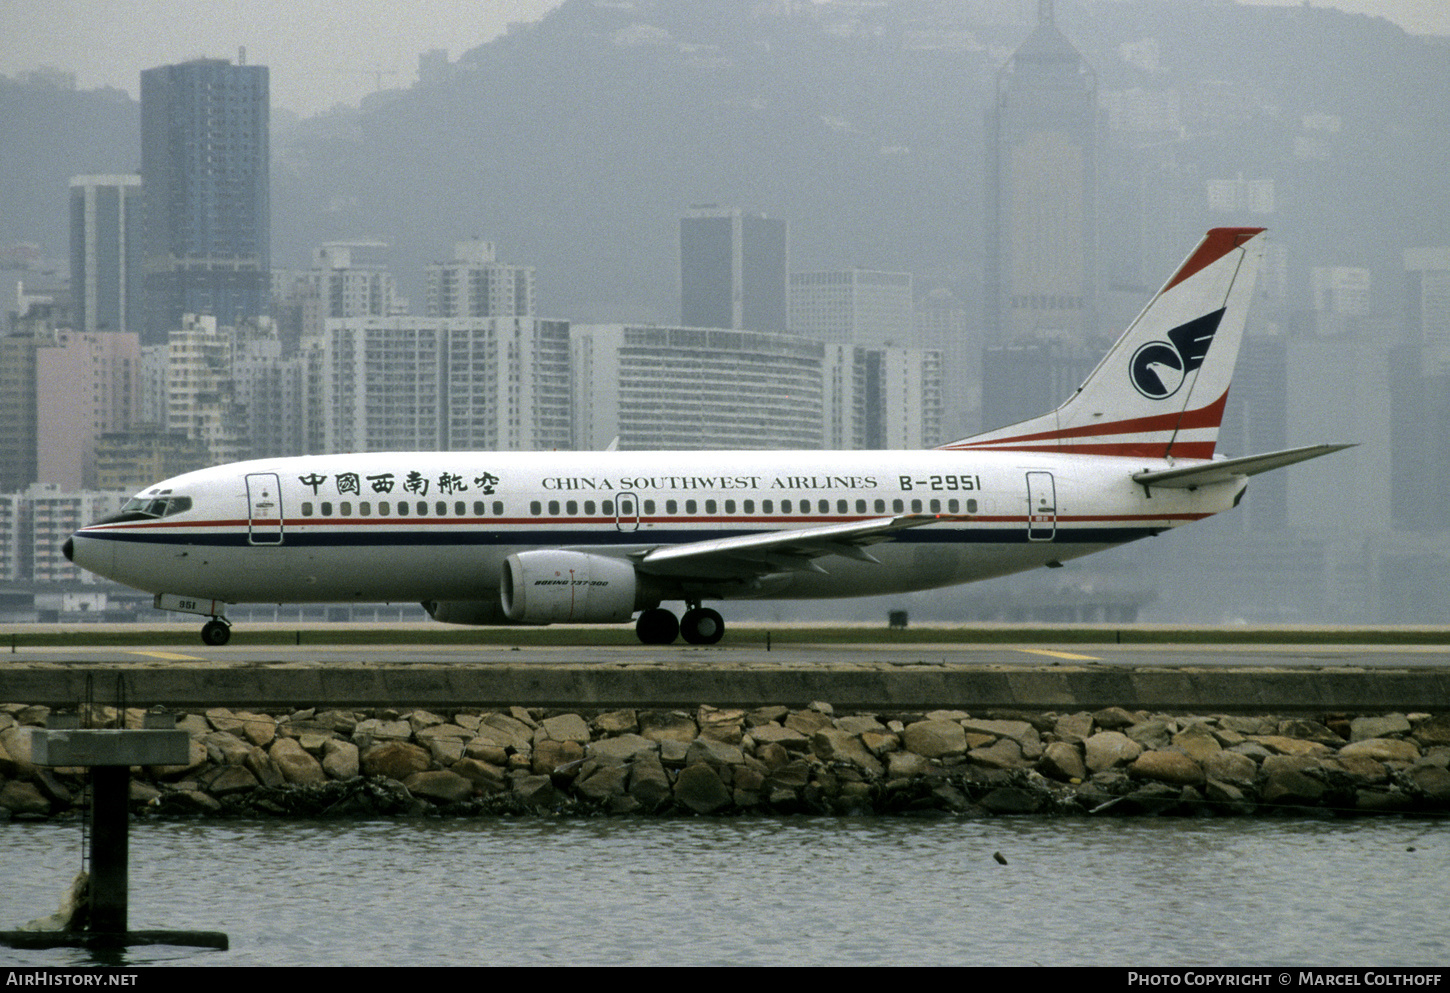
[846, 656]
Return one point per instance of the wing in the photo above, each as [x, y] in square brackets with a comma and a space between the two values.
[1207, 473]
[752, 555]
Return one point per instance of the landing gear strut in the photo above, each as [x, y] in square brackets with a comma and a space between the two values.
[216, 632]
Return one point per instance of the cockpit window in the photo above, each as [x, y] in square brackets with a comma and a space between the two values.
[147, 507]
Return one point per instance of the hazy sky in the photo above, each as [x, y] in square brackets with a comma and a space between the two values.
[324, 52]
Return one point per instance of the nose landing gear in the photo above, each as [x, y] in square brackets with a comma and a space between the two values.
[216, 632]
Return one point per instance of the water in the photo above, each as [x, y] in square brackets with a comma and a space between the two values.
[791, 891]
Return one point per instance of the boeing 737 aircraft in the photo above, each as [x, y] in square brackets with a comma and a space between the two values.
[600, 537]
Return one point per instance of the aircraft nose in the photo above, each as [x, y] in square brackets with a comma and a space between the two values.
[69, 549]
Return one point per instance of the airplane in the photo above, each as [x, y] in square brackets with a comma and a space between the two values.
[503, 538]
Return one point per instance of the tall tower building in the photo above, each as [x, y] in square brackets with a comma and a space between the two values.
[733, 270]
[105, 252]
[1041, 177]
[205, 193]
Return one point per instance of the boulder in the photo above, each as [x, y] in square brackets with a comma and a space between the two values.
[934, 739]
[1005, 753]
[485, 778]
[700, 789]
[1167, 766]
[1362, 728]
[1197, 742]
[23, 798]
[1108, 749]
[603, 782]
[1061, 760]
[1231, 767]
[395, 760]
[549, 755]
[227, 779]
[617, 722]
[835, 745]
[260, 765]
[648, 782]
[340, 759]
[667, 725]
[1382, 750]
[297, 766]
[564, 727]
[440, 786]
[621, 748]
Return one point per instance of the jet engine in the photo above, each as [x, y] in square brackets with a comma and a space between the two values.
[550, 586]
[480, 613]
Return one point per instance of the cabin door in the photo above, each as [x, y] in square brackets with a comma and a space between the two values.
[264, 509]
[1041, 506]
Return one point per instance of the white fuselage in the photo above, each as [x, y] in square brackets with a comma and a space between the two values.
[438, 525]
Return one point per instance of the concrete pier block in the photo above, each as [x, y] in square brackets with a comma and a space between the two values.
[78, 747]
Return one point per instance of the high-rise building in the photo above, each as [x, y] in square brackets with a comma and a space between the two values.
[85, 385]
[853, 306]
[733, 270]
[476, 284]
[1041, 183]
[662, 388]
[445, 384]
[205, 193]
[105, 252]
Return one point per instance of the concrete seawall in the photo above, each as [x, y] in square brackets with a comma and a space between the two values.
[911, 686]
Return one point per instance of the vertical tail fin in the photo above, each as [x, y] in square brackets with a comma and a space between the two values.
[1162, 387]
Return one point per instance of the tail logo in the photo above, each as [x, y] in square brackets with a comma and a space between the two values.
[1159, 368]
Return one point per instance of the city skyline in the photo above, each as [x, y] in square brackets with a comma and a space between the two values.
[329, 52]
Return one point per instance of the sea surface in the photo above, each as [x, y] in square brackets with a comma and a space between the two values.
[763, 891]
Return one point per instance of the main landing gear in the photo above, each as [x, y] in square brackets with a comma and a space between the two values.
[698, 626]
[216, 632]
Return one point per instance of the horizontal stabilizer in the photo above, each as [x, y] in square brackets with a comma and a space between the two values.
[1207, 473]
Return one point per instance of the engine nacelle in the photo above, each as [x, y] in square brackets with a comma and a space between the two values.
[550, 586]
[480, 613]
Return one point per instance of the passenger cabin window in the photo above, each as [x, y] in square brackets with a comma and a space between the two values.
[588, 508]
[402, 508]
[971, 506]
[750, 506]
[709, 506]
[572, 508]
[608, 508]
[498, 507]
[690, 506]
[729, 506]
[785, 506]
[535, 508]
[383, 508]
[897, 506]
[672, 507]
[880, 506]
[365, 509]
[824, 506]
[306, 508]
[649, 506]
[345, 508]
[916, 506]
[553, 508]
